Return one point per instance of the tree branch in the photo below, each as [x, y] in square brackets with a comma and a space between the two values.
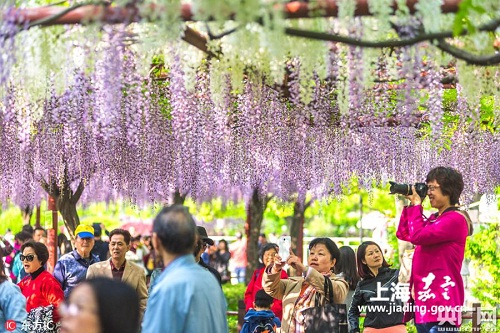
[78, 192]
[490, 26]
[46, 187]
[53, 18]
[470, 58]
[307, 204]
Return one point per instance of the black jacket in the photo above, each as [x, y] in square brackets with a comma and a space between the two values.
[385, 313]
[211, 270]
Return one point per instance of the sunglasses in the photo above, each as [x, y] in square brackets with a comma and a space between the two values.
[28, 258]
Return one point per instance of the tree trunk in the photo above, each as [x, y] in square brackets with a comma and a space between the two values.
[178, 197]
[26, 212]
[255, 215]
[66, 199]
[297, 230]
[67, 208]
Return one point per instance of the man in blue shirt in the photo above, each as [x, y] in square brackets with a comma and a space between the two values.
[186, 297]
[71, 268]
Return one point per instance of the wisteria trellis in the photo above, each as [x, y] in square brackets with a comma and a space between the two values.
[126, 135]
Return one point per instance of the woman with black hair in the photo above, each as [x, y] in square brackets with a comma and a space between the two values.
[266, 255]
[101, 305]
[299, 292]
[346, 268]
[12, 302]
[42, 291]
[436, 282]
[375, 293]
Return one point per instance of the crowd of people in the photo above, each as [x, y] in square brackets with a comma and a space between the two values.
[171, 281]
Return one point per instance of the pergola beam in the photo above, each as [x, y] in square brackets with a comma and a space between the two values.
[115, 14]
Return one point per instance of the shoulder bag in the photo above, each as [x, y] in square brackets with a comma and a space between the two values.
[330, 317]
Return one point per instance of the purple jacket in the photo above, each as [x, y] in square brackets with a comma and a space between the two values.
[436, 281]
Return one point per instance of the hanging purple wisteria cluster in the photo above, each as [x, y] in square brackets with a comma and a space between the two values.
[131, 136]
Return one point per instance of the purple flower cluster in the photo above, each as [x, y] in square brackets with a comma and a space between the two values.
[132, 137]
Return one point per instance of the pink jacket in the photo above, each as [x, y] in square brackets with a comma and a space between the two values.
[437, 285]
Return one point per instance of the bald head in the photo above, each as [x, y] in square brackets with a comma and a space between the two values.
[176, 229]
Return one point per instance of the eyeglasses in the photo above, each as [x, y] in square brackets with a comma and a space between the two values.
[28, 258]
[72, 309]
[432, 188]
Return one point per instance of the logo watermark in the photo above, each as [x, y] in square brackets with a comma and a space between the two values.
[10, 325]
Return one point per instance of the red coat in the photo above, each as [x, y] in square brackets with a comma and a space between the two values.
[42, 291]
[256, 285]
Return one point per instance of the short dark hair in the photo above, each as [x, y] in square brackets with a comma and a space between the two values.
[40, 249]
[28, 228]
[266, 248]
[262, 299]
[23, 236]
[125, 233]
[118, 305]
[330, 246]
[176, 229]
[40, 228]
[363, 270]
[450, 181]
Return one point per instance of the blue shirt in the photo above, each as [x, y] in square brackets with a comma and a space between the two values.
[12, 306]
[186, 298]
[71, 269]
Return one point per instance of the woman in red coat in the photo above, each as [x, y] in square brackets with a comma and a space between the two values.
[267, 254]
[40, 288]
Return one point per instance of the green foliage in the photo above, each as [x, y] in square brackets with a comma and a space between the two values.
[111, 214]
[462, 18]
[335, 217]
[484, 251]
[11, 218]
[233, 293]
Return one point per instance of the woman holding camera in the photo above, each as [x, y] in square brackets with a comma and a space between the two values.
[376, 292]
[440, 245]
[299, 293]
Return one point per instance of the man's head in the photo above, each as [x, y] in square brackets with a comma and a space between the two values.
[22, 237]
[262, 239]
[84, 241]
[119, 243]
[28, 228]
[39, 233]
[174, 230]
[202, 241]
[263, 300]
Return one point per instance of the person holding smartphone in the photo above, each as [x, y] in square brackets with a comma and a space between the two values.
[299, 292]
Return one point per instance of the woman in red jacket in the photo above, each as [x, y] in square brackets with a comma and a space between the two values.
[41, 289]
[267, 254]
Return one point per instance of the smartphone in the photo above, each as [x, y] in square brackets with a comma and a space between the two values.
[284, 244]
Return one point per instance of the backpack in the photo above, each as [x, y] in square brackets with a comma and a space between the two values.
[266, 326]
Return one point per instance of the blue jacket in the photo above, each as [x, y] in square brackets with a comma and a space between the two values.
[254, 317]
[186, 298]
[12, 306]
[71, 269]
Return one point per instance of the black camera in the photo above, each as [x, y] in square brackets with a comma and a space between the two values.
[405, 189]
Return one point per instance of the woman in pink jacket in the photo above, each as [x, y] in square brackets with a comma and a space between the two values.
[436, 285]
